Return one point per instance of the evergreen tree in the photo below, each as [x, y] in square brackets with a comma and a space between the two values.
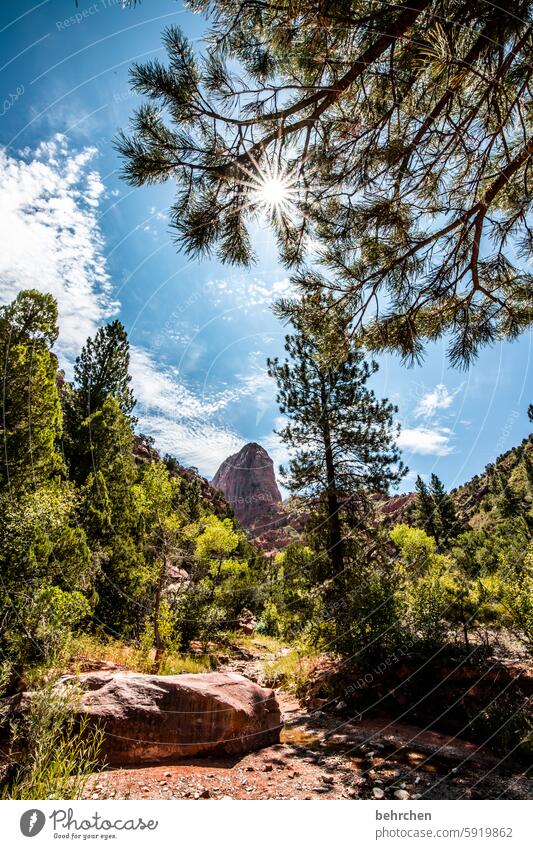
[345, 120]
[435, 511]
[109, 515]
[342, 436]
[101, 370]
[30, 412]
[424, 508]
[447, 523]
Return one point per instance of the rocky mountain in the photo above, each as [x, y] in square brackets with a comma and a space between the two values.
[248, 482]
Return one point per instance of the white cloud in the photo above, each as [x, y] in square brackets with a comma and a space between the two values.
[248, 292]
[440, 398]
[50, 236]
[49, 202]
[425, 440]
[194, 442]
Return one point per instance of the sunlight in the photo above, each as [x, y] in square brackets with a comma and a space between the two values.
[273, 188]
[273, 192]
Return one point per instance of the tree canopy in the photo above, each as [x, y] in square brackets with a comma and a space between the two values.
[391, 142]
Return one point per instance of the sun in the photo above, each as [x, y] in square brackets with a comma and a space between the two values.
[273, 192]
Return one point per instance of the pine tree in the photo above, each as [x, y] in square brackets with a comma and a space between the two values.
[344, 121]
[102, 370]
[30, 412]
[342, 436]
[435, 511]
[110, 517]
[446, 520]
[424, 508]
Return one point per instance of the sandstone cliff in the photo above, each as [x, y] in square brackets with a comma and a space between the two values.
[249, 485]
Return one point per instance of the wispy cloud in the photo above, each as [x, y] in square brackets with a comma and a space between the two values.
[247, 292]
[439, 398]
[426, 440]
[50, 237]
[49, 202]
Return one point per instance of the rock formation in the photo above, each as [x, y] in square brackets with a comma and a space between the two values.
[249, 485]
[150, 718]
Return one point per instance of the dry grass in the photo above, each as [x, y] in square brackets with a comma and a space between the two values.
[86, 651]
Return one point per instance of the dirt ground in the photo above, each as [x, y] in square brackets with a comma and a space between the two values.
[321, 756]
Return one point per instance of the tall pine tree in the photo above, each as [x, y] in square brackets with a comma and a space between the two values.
[102, 370]
[342, 436]
[30, 412]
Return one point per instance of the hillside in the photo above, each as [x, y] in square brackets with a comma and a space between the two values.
[504, 487]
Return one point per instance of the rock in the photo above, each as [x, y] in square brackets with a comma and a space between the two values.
[316, 704]
[378, 793]
[150, 718]
[401, 794]
[267, 768]
[247, 622]
[341, 705]
[248, 482]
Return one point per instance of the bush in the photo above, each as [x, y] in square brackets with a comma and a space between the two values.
[52, 753]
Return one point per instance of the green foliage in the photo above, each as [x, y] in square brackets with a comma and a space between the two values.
[341, 436]
[435, 511]
[437, 597]
[46, 572]
[52, 752]
[517, 596]
[293, 603]
[101, 370]
[30, 412]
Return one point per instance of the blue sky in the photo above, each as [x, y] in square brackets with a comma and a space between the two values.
[200, 332]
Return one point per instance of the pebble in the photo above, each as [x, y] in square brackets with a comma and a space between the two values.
[378, 793]
[327, 779]
[267, 768]
[401, 794]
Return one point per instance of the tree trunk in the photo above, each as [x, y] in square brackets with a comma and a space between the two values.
[335, 545]
[158, 644]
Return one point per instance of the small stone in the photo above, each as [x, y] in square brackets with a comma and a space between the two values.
[341, 705]
[401, 794]
[378, 793]
[327, 779]
[205, 794]
[167, 774]
[267, 768]
[196, 795]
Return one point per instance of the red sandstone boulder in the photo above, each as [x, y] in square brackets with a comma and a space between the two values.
[158, 717]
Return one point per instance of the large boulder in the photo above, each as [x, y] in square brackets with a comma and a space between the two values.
[158, 717]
